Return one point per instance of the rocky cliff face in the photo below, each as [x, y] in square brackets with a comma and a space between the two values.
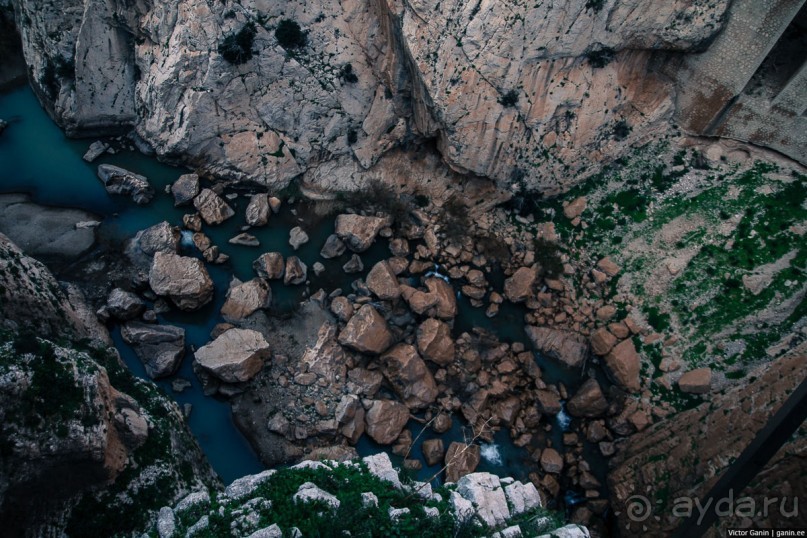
[515, 92]
[84, 447]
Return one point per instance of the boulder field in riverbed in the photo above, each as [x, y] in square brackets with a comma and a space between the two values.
[368, 360]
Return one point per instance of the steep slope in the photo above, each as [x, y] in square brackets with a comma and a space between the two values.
[84, 446]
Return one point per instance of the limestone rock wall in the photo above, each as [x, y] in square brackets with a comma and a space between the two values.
[512, 91]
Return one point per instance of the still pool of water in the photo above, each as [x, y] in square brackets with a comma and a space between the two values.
[36, 158]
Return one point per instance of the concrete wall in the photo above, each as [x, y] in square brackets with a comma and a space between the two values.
[712, 87]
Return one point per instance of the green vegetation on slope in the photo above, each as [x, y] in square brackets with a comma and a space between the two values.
[346, 481]
[715, 257]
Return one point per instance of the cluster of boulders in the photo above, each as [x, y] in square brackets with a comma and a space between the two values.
[371, 359]
[479, 499]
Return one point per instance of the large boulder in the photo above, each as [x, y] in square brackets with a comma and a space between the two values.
[568, 347]
[358, 232]
[182, 279]
[551, 461]
[333, 247]
[297, 237]
[602, 341]
[245, 298]
[485, 491]
[258, 210]
[296, 271]
[446, 307]
[235, 356]
[367, 332]
[409, 376]
[435, 343]
[124, 305]
[386, 420]
[159, 347]
[433, 451]
[588, 401]
[212, 208]
[519, 287]
[116, 180]
[381, 280]
[185, 189]
[696, 381]
[461, 459]
[623, 365]
[162, 237]
[270, 266]
[419, 301]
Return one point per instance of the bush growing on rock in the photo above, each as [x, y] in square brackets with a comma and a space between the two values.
[621, 130]
[237, 47]
[455, 220]
[600, 58]
[347, 74]
[290, 35]
[509, 99]
[547, 254]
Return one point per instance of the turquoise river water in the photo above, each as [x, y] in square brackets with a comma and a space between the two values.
[36, 158]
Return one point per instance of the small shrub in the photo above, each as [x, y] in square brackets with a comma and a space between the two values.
[347, 74]
[547, 254]
[352, 137]
[621, 130]
[49, 80]
[237, 47]
[66, 68]
[600, 58]
[509, 99]
[493, 246]
[290, 35]
[595, 5]
[456, 223]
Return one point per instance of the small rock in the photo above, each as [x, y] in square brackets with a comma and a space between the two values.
[95, 150]
[696, 381]
[245, 240]
[296, 271]
[460, 460]
[297, 237]
[257, 212]
[551, 461]
[334, 247]
[270, 266]
[212, 208]
[575, 208]
[608, 267]
[185, 189]
[124, 305]
[116, 180]
[309, 492]
[433, 451]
